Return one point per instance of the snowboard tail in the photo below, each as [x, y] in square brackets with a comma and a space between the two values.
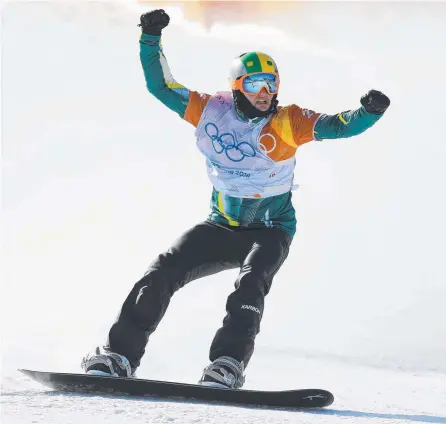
[119, 386]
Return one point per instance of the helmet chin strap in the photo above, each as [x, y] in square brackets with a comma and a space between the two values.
[248, 110]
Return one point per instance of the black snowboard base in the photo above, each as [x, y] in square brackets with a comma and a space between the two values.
[118, 386]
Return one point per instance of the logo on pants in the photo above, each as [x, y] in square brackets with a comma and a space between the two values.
[251, 308]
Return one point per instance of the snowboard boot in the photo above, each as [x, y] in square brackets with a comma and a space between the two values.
[107, 364]
[225, 373]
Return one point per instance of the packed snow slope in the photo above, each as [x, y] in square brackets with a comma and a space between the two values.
[99, 177]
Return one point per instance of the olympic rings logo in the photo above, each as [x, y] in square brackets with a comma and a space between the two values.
[228, 144]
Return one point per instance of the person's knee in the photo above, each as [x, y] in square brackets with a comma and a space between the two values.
[153, 297]
[253, 283]
[156, 283]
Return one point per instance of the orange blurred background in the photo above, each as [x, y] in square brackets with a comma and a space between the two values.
[210, 12]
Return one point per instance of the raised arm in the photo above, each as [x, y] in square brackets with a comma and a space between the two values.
[159, 80]
[299, 126]
[352, 122]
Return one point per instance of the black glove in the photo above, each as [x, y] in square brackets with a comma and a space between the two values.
[154, 21]
[375, 102]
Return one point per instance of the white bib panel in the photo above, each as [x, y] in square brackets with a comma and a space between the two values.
[237, 161]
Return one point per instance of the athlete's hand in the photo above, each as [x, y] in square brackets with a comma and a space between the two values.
[154, 21]
[375, 102]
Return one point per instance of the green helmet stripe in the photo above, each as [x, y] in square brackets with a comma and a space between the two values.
[251, 62]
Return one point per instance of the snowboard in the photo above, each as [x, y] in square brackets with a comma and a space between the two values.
[119, 386]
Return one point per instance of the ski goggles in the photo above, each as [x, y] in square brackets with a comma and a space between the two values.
[253, 83]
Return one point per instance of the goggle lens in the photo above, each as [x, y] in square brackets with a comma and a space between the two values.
[252, 84]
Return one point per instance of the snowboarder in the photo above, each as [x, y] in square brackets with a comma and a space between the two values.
[249, 143]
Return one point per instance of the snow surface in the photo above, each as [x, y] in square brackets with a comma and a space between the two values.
[358, 308]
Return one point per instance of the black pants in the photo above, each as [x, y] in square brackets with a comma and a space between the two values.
[205, 249]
